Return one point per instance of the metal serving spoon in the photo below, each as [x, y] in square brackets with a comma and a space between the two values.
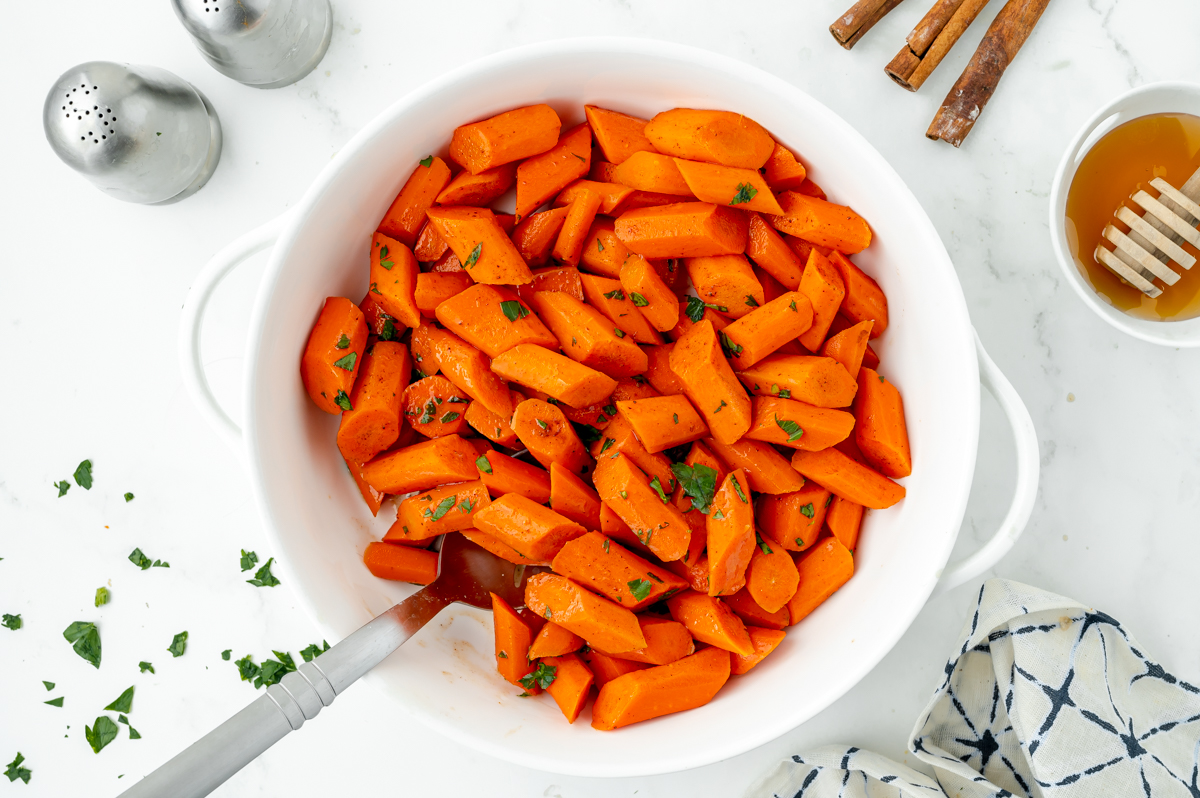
[467, 574]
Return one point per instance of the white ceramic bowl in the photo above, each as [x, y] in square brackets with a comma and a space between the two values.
[1155, 98]
[318, 525]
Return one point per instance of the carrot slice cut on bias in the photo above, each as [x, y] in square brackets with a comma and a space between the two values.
[449, 508]
[571, 686]
[503, 474]
[783, 170]
[606, 567]
[849, 347]
[549, 372]
[766, 469]
[772, 577]
[841, 475]
[765, 641]
[844, 520]
[404, 218]
[504, 138]
[493, 319]
[534, 237]
[793, 520]
[730, 527]
[618, 135]
[374, 422]
[587, 336]
[422, 466]
[787, 422]
[666, 642]
[720, 137]
[604, 624]
[330, 361]
[480, 244]
[710, 383]
[823, 569]
[541, 177]
[532, 529]
[746, 608]
[685, 684]
[822, 223]
[710, 620]
[554, 641]
[570, 496]
[819, 381]
[549, 436]
[765, 329]
[513, 637]
[728, 185]
[881, 433]
[401, 563]
[478, 189]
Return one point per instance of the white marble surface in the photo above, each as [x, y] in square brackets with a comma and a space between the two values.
[90, 292]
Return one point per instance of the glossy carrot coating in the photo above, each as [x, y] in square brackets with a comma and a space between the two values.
[447, 263]
[495, 428]
[770, 252]
[822, 223]
[503, 474]
[658, 370]
[881, 433]
[728, 282]
[620, 438]
[730, 527]
[849, 346]
[710, 383]
[498, 547]
[504, 138]
[710, 620]
[764, 640]
[841, 475]
[771, 577]
[694, 571]
[609, 298]
[844, 520]
[374, 423]
[783, 170]
[604, 624]
[822, 284]
[401, 563]
[746, 608]
[864, 299]
[766, 469]
[540, 369]
[663, 422]
[786, 422]
[823, 569]
[434, 407]
[479, 189]
[571, 497]
[552, 280]
[666, 641]
[423, 465]
[469, 370]
[480, 244]
[580, 215]
[571, 686]
[683, 230]
[513, 637]
[804, 249]
[765, 329]
[549, 437]
[810, 189]
[685, 684]
[331, 356]
[541, 177]
[394, 279]
[710, 313]
[493, 319]
[819, 381]
[618, 135]
[534, 237]
[728, 185]
[430, 246]
[434, 288]
[651, 171]
[448, 508]
[605, 668]
[612, 195]
[720, 137]
[372, 497]
[604, 253]
[650, 293]
[772, 288]
[612, 525]
[554, 641]
[535, 531]
[793, 520]
[605, 567]
[404, 218]
[587, 336]
[633, 497]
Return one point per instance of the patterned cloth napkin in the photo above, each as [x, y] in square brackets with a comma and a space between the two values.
[1043, 697]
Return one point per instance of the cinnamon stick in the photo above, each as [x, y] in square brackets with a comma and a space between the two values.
[978, 82]
[931, 40]
[860, 18]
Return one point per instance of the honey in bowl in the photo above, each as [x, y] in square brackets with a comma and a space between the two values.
[1120, 164]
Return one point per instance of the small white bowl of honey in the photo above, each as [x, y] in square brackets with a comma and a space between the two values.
[1150, 132]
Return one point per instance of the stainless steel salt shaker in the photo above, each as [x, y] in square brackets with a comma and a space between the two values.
[262, 43]
[138, 133]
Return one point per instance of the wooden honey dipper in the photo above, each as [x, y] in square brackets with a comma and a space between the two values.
[1154, 235]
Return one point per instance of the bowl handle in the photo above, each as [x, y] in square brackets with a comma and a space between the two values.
[1028, 468]
[192, 321]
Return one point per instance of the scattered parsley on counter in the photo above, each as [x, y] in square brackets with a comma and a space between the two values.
[263, 576]
[102, 596]
[84, 637]
[699, 483]
[144, 666]
[314, 651]
[124, 702]
[249, 560]
[63, 486]
[270, 672]
[543, 676]
[55, 702]
[83, 475]
[226, 654]
[178, 644]
[640, 588]
[49, 685]
[15, 771]
[13, 622]
[101, 733]
[145, 563]
[133, 733]
[128, 498]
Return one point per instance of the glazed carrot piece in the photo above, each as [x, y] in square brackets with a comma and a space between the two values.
[493, 319]
[651, 171]
[449, 508]
[804, 249]
[819, 381]
[498, 547]
[434, 288]
[849, 346]
[434, 407]
[864, 300]
[470, 371]
[571, 686]
[793, 520]
[492, 426]
[601, 171]
[709, 620]
[880, 432]
[612, 195]
[606, 668]
[534, 237]
[504, 138]
[643, 506]
[587, 336]
[605, 567]
[822, 223]
[772, 288]
[658, 370]
[649, 293]
[541, 177]
[766, 469]
[648, 199]
[372, 497]
[822, 284]
[771, 577]
[728, 282]
[728, 185]
[332, 354]
[666, 641]
[549, 437]
[720, 137]
[553, 280]
[841, 475]
[810, 189]
[685, 684]
[423, 465]
[401, 563]
[612, 526]
[620, 438]
[823, 569]
[603, 252]
[503, 474]
[479, 189]
[609, 298]
[480, 244]
[764, 641]
[692, 311]
[870, 359]
[604, 624]
[448, 263]
[566, 380]
[535, 531]
[513, 637]
[783, 170]
[765, 329]
[683, 230]
[745, 607]
[374, 423]
[394, 279]
[730, 527]
[421, 345]
[768, 250]
[618, 135]
[430, 246]
[379, 323]
[554, 641]
[580, 215]
[844, 520]
[570, 496]
[786, 422]
[710, 383]
[404, 218]
[663, 422]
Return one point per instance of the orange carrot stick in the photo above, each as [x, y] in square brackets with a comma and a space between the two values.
[765, 329]
[513, 636]
[793, 520]
[618, 135]
[823, 287]
[493, 319]
[764, 640]
[786, 422]
[498, 547]
[710, 620]
[534, 237]
[730, 527]
[620, 438]
[783, 170]
[401, 563]
[881, 433]
[494, 427]
[605, 567]
[766, 469]
[554, 641]
[503, 474]
[685, 684]
[552, 280]
[663, 422]
[642, 504]
[728, 185]
[469, 370]
[849, 346]
[605, 668]
[610, 299]
[720, 137]
[541, 177]
[822, 223]
[423, 465]
[604, 624]
[823, 569]
[651, 171]
[449, 508]
[479, 189]
[728, 282]
[612, 195]
[710, 383]
[434, 407]
[571, 686]
[658, 370]
[746, 608]
[535, 531]
[683, 230]
[404, 218]
[374, 423]
[434, 288]
[839, 474]
[768, 250]
[542, 370]
[819, 381]
[394, 279]
[864, 300]
[844, 520]
[571, 497]
[372, 497]
[580, 215]
[430, 246]
[650, 293]
[587, 336]
[771, 577]
[666, 641]
[549, 437]
[504, 138]
[330, 360]
[480, 244]
[603, 252]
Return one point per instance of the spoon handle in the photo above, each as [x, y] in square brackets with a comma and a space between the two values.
[211, 760]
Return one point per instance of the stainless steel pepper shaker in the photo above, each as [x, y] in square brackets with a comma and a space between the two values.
[139, 133]
[262, 43]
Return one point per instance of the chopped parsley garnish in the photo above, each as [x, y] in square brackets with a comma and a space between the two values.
[607, 443]
[14, 770]
[466, 506]
[719, 515]
[343, 401]
[128, 498]
[745, 193]
[605, 544]
[502, 654]
[541, 423]
[618, 332]
[640, 588]
[543, 676]
[249, 560]
[737, 486]
[63, 486]
[263, 576]
[792, 305]
[102, 596]
[658, 488]
[124, 702]
[751, 301]
[83, 475]
[144, 666]
[807, 510]
[314, 651]
[624, 495]
[735, 350]
[427, 161]
[786, 393]
[483, 465]
[599, 245]
[800, 542]
[443, 507]
[133, 733]
[699, 483]
[346, 363]
[375, 289]
[55, 702]
[226, 654]
[829, 500]
[101, 733]
[638, 299]
[49, 685]
[793, 430]
[386, 263]
[615, 294]
[695, 308]
[84, 637]
[514, 310]
[178, 644]
[145, 563]
[343, 342]
[13, 622]
[720, 406]
[449, 416]
[389, 329]
[473, 258]
[762, 544]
